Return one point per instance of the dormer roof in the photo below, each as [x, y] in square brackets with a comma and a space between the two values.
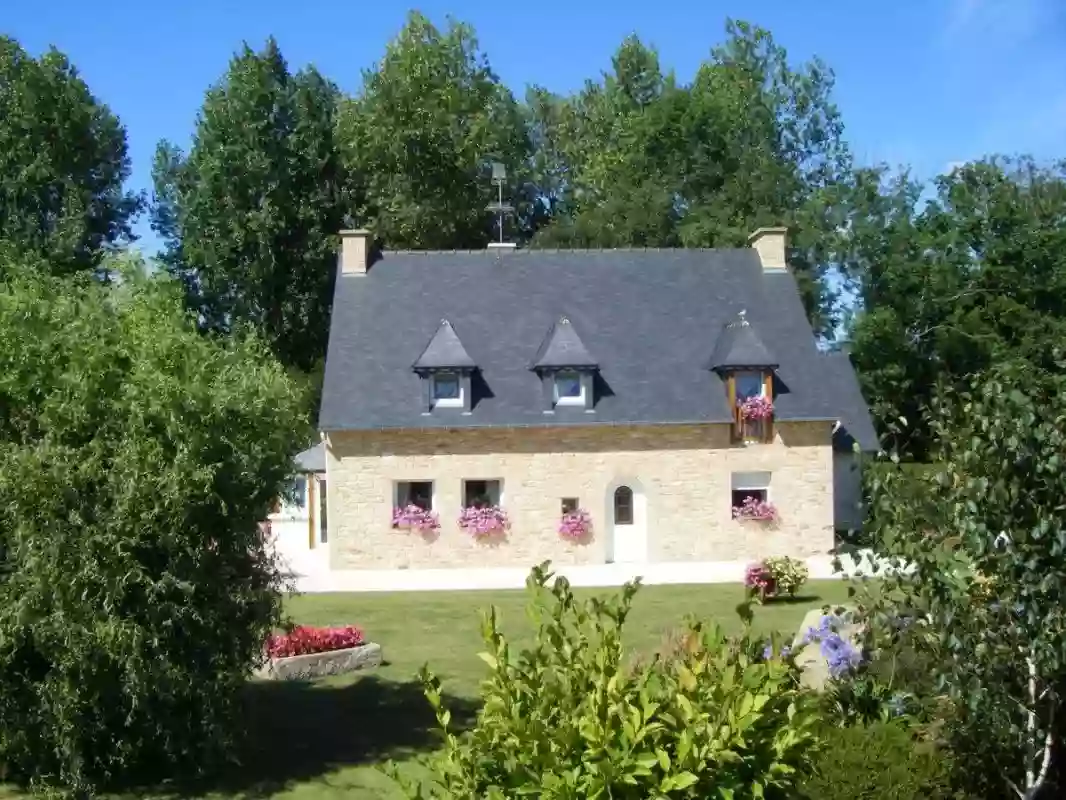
[739, 346]
[444, 351]
[562, 348]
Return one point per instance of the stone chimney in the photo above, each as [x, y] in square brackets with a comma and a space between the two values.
[355, 251]
[771, 245]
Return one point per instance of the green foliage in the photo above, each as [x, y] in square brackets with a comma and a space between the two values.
[637, 160]
[136, 460]
[986, 549]
[63, 160]
[788, 574]
[250, 216]
[421, 134]
[951, 288]
[569, 718]
[880, 761]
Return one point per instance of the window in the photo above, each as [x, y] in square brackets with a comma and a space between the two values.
[569, 390]
[623, 506]
[749, 484]
[447, 390]
[749, 384]
[417, 493]
[293, 500]
[570, 504]
[481, 494]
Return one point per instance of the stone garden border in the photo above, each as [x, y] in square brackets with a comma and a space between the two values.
[318, 665]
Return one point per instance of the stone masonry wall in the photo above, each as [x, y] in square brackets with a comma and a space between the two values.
[683, 473]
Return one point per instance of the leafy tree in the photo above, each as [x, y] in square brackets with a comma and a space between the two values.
[63, 161]
[638, 160]
[429, 120]
[985, 544]
[976, 276]
[250, 216]
[136, 460]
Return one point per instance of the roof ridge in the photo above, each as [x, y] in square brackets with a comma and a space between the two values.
[492, 252]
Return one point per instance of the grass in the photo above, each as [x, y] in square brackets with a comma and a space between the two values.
[327, 739]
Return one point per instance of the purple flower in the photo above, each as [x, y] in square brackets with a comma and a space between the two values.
[768, 652]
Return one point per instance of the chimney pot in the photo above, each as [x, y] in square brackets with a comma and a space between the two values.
[355, 251]
[771, 244]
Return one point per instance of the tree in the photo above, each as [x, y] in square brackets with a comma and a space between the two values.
[63, 161]
[985, 542]
[137, 458]
[638, 160]
[430, 119]
[976, 276]
[250, 217]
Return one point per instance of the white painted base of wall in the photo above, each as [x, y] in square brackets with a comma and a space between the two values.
[456, 579]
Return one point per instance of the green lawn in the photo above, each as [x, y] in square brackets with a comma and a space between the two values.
[324, 740]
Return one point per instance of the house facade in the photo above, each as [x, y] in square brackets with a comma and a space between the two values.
[618, 412]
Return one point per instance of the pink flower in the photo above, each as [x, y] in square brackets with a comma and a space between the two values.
[413, 518]
[575, 525]
[484, 521]
[753, 508]
[758, 578]
[304, 639]
[757, 407]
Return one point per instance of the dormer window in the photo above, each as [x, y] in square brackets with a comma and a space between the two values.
[747, 370]
[569, 391]
[566, 368]
[447, 389]
[445, 369]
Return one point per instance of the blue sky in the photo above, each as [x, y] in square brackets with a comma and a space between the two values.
[920, 82]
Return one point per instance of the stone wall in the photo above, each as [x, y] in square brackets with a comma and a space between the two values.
[683, 474]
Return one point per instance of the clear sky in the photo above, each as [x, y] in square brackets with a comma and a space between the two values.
[922, 82]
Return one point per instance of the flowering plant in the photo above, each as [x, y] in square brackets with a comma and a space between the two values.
[304, 639]
[483, 521]
[788, 574]
[757, 407]
[411, 517]
[841, 655]
[576, 524]
[757, 579]
[756, 509]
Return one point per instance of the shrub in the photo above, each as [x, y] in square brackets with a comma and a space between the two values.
[880, 761]
[569, 718]
[137, 458]
[788, 574]
[304, 640]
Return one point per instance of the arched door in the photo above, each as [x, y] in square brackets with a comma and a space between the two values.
[629, 541]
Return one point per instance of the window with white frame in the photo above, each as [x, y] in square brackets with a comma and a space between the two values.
[447, 390]
[569, 389]
[293, 500]
[482, 493]
[413, 493]
[749, 484]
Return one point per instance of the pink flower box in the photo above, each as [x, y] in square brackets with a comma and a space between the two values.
[576, 525]
[413, 518]
[754, 509]
[485, 521]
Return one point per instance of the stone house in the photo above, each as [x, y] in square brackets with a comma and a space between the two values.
[675, 401]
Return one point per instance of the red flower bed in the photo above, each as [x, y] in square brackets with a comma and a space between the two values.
[303, 639]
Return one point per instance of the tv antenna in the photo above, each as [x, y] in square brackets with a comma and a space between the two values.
[499, 208]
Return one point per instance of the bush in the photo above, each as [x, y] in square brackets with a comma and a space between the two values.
[776, 576]
[137, 458]
[880, 761]
[568, 718]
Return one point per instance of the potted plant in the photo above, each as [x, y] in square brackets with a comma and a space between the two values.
[576, 525]
[754, 509]
[413, 518]
[484, 521]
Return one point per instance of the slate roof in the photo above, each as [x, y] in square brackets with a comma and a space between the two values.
[740, 346]
[562, 347]
[444, 350]
[313, 459]
[651, 318]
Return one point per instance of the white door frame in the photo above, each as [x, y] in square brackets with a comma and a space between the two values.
[627, 544]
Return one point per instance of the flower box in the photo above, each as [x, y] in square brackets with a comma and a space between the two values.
[755, 510]
[306, 652]
[413, 518]
[576, 525]
[484, 521]
[757, 408]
